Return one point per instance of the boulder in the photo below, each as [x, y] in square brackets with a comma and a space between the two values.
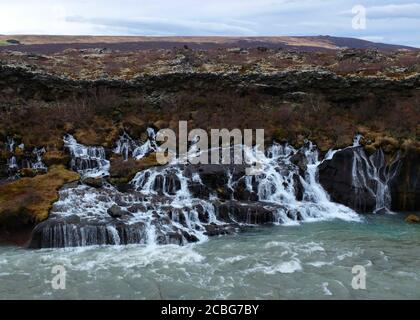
[122, 171]
[244, 212]
[213, 229]
[116, 212]
[412, 218]
[93, 182]
[215, 180]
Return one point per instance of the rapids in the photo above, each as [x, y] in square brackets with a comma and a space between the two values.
[308, 261]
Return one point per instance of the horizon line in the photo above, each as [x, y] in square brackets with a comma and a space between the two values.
[203, 36]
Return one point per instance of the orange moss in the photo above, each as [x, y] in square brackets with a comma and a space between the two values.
[412, 218]
[28, 200]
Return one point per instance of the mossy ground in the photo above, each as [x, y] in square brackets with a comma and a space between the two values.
[28, 200]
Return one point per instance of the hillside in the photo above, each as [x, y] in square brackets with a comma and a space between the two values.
[52, 44]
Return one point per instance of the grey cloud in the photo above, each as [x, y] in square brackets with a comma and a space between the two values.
[149, 25]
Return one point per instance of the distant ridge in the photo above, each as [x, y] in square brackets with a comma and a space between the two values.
[51, 44]
[356, 43]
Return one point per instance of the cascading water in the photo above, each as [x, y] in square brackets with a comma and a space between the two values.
[89, 161]
[12, 163]
[125, 146]
[357, 180]
[38, 164]
[20, 159]
[10, 144]
[180, 203]
[280, 180]
[128, 147]
[374, 175]
[148, 147]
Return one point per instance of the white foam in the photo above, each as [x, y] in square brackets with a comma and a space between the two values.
[89, 161]
[291, 266]
[325, 289]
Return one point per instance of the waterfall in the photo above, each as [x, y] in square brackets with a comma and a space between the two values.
[148, 147]
[374, 175]
[23, 159]
[10, 144]
[89, 161]
[278, 185]
[128, 147]
[181, 203]
[12, 163]
[38, 164]
[125, 146]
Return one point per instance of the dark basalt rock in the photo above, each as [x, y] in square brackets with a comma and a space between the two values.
[335, 176]
[215, 180]
[169, 184]
[298, 187]
[93, 182]
[66, 232]
[242, 193]
[245, 212]
[299, 160]
[405, 188]
[3, 169]
[213, 229]
[139, 207]
[31, 82]
[57, 233]
[171, 224]
[116, 212]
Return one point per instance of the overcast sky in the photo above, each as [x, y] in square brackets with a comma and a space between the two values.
[393, 21]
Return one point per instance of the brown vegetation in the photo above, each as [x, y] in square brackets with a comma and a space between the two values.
[330, 117]
[110, 64]
[99, 120]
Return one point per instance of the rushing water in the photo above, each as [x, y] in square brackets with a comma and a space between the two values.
[172, 204]
[310, 261]
[126, 146]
